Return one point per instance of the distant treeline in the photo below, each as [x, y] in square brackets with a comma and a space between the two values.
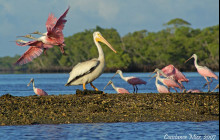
[140, 51]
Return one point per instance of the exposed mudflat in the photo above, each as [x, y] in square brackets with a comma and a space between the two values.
[105, 108]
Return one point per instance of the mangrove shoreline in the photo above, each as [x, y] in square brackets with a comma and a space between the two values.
[108, 108]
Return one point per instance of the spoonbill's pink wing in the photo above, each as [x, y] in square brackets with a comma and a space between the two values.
[41, 92]
[122, 90]
[206, 72]
[180, 76]
[51, 21]
[135, 81]
[162, 89]
[170, 83]
[56, 31]
[29, 55]
[169, 70]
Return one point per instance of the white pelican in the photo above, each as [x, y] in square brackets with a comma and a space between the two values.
[86, 72]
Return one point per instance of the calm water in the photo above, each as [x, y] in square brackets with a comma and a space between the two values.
[113, 131]
[53, 84]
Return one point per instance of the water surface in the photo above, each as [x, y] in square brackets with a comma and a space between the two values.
[53, 84]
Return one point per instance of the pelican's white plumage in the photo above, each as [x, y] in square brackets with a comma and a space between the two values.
[86, 72]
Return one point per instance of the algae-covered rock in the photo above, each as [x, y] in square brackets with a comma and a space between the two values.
[87, 92]
[95, 108]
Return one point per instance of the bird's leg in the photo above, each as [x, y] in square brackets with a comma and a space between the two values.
[84, 86]
[136, 88]
[45, 53]
[210, 80]
[175, 89]
[168, 89]
[215, 88]
[207, 81]
[207, 84]
[93, 86]
[62, 49]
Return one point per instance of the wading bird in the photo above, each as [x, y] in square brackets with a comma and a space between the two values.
[161, 88]
[53, 36]
[134, 81]
[175, 74]
[86, 72]
[204, 71]
[170, 83]
[117, 89]
[37, 91]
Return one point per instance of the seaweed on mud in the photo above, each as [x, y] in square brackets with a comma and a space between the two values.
[99, 107]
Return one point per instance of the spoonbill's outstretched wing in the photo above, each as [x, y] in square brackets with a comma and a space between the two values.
[29, 55]
[55, 29]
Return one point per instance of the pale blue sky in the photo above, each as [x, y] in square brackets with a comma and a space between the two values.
[19, 17]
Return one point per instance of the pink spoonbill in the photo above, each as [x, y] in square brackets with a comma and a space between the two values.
[117, 89]
[53, 36]
[170, 83]
[175, 74]
[204, 71]
[37, 91]
[161, 88]
[134, 81]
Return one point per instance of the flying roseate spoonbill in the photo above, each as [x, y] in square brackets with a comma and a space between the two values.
[204, 71]
[37, 91]
[86, 72]
[134, 81]
[117, 89]
[161, 88]
[175, 74]
[53, 36]
[36, 48]
[170, 83]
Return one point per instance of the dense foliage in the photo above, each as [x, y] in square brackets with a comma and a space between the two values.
[137, 51]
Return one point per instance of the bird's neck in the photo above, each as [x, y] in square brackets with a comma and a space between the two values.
[156, 81]
[196, 62]
[100, 51]
[158, 77]
[113, 85]
[122, 77]
[42, 38]
[33, 85]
